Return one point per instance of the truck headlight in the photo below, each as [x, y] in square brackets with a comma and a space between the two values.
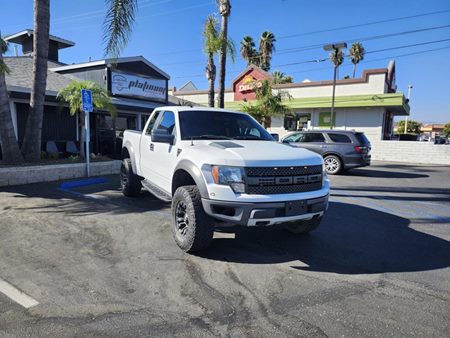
[232, 176]
[324, 176]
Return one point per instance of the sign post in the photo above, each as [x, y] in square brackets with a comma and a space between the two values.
[87, 107]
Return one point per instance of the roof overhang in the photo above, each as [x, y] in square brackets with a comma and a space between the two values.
[109, 62]
[20, 36]
[394, 102]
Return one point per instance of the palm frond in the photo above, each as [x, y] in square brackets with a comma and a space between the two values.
[117, 27]
[4, 68]
[3, 46]
[357, 52]
[211, 41]
[71, 95]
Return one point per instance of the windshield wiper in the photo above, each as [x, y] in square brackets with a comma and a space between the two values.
[211, 137]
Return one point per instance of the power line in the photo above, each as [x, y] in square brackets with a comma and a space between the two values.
[364, 24]
[325, 68]
[407, 46]
[343, 27]
[368, 52]
[367, 38]
[320, 45]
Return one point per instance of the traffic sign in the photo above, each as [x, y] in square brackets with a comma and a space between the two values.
[86, 100]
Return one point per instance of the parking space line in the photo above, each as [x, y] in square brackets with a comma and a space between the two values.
[16, 295]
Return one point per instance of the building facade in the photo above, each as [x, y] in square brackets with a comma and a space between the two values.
[366, 104]
[135, 86]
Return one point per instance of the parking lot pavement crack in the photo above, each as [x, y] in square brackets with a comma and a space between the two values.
[208, 298]
[310, 329]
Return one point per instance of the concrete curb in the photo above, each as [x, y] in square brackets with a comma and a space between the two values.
[54, 172]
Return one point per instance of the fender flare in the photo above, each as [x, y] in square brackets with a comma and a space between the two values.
[196, 174]
[129, 147]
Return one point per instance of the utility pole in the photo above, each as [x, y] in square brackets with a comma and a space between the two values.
[406, 118]
[335, 47]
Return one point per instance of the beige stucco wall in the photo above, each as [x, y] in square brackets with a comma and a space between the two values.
[375, 85]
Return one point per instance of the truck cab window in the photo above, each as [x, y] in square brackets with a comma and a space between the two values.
[167, 122]
[151, 124]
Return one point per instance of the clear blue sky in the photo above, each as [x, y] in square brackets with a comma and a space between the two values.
[168, 33]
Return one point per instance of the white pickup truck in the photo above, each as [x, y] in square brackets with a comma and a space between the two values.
[221, 168]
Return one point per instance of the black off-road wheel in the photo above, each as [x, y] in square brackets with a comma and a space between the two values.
[192, 228]
[333, 164]
[303, 227]
[129, 181]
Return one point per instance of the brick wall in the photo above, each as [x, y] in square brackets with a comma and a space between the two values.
[411, 152]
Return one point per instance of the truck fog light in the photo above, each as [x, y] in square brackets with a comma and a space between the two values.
[238, 187]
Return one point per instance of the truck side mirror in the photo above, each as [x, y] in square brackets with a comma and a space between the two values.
[276, 137]
[162, 136]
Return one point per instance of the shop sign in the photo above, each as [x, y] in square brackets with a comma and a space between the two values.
[249, 84]
[131, 85]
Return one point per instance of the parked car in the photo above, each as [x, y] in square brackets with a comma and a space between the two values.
[214, 166]
[341, 150]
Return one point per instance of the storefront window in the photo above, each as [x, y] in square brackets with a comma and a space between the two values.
[325, 119]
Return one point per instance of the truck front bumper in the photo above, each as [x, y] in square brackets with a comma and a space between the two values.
[262, 214]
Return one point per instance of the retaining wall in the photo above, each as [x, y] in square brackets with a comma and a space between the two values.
[54, 172]
[411, 152]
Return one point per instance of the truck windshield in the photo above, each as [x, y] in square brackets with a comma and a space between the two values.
[197, 124]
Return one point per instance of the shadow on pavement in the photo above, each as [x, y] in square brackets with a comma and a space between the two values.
[414, 194]
[91, 200]
[351, 240]
[383, 173]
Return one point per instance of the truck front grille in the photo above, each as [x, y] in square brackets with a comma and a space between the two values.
[283, 180]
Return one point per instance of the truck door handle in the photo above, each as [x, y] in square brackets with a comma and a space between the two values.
[323, 146]
[152, 146]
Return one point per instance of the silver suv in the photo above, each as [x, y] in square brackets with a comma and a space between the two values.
[341, 150]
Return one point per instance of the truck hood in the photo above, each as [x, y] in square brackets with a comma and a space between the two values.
[250, 153]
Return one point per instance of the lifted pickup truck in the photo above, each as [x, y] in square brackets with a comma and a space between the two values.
[221, 168]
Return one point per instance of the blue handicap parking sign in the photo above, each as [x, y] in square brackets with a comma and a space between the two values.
[86, 99]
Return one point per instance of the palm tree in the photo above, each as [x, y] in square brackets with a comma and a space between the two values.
[10, 148]
[356, 52]
[267, 104]
[211, 46]
[72, 96]
[337, 57]
[248, 50]
[280, 78]
[266, 49]
[212, 41]
[31, 146]
[118, 24]
[224, 10]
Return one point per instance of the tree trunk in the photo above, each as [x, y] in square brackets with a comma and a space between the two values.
[31, 147]
[211, 75]
[354, 70]
[223, 61]
[10, 148]
[82, 117]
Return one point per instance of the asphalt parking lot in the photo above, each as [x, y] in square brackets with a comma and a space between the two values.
[98, 264]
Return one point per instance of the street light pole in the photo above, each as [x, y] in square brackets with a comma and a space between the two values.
[335, 47]
[332, 97]
[406, 118]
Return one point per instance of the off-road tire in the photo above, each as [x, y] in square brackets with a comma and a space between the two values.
[198, 225]
[303, 227]
[129, 181]
[333, 164]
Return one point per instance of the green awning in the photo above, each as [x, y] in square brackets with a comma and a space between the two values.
[395, 102]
